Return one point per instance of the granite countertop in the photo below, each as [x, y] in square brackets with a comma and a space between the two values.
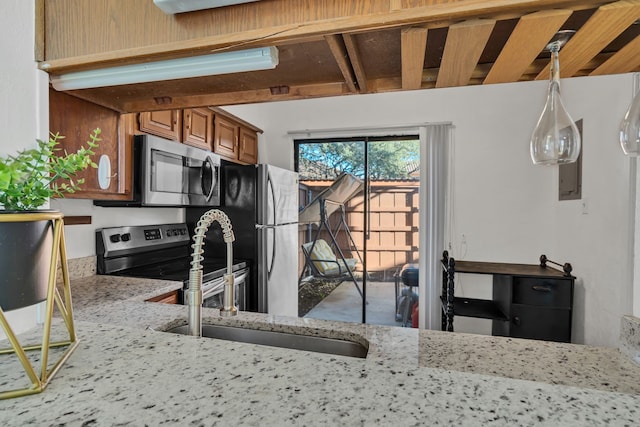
[126, 371]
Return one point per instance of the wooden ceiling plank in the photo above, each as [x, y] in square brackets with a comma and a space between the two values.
[240, 97]
[528, 39]
[356, 61]
[339, 52]
[607, 23]
[395, 4]
[111, 102]
[626, 60]
[414, 49]
[287, 33]
[462, 50]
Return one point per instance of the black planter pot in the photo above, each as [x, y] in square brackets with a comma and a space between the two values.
[25, 257]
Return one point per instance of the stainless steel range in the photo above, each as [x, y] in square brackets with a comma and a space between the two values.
[164, 252]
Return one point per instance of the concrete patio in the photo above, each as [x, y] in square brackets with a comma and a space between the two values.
[345, 304]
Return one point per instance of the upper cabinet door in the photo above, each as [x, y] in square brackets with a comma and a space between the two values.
[75, 118]
[197, 127]
[166, 124]
[248, 150]
[225, 141]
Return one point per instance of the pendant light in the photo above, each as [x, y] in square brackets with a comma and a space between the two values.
[630, 126]
[555, 139]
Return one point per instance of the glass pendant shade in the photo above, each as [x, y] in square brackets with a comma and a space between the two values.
[555, 139]
[630, 129]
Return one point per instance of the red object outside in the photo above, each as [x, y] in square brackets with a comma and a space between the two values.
[414, 315]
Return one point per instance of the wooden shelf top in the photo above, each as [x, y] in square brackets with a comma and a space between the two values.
[532, 270]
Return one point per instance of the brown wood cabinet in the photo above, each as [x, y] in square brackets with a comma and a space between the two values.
[75, 118]
[197, 127]
[225, 142]
[248, 150]
[166, 124]
[234, 139]
[166, 298]
[211, 129]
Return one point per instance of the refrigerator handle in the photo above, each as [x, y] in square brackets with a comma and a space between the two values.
[273, 197]
[273, 254]
[270, 226]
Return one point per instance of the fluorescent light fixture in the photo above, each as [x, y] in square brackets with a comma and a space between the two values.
[178, 6]
[196, 66]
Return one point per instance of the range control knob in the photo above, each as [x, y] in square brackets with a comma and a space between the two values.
[169, 233]
[115, 238]
[126, 237]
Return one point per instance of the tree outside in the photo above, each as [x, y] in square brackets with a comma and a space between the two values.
[388, 160]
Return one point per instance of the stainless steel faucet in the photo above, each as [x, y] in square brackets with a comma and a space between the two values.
[194, 294]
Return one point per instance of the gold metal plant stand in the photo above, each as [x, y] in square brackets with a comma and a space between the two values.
[38, 383]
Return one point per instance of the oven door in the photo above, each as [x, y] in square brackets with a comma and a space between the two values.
[213, 291]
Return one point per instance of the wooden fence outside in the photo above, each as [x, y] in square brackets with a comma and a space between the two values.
[393, 225]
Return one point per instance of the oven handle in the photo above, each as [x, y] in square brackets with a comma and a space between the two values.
[240, 278]
[216, 286]
[213, 287]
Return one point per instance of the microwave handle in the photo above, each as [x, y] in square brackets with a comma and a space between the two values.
[208, 192]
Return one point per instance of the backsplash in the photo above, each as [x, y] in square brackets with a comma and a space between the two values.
[79, 267]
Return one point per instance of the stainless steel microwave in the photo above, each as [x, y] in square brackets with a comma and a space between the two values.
[168, 173]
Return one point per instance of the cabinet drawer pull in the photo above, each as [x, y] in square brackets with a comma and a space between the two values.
[516, 320]
[540, 288]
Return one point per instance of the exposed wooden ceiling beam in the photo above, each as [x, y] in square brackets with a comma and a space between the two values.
[355, 58]
[625, 60]
[376, 85]
[308, 27]
[607, 23]
[464, 45]
[528, 39]
[107, 102]
[241, 97]
[414, 48]
[339, 51]
[395, 4]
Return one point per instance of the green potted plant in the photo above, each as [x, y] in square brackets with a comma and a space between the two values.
[27, 181]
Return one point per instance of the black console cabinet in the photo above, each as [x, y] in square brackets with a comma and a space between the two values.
[532, 301]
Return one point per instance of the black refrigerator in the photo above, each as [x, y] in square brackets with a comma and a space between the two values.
[262, 204]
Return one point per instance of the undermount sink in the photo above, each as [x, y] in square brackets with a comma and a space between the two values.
[280, 339]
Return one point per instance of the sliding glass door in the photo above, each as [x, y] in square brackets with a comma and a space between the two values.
[359, 196]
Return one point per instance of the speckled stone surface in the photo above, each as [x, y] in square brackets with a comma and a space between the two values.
[554, 363]
[630, 338]
[127, 372]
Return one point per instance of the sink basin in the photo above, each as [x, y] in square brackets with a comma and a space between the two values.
[280, 339]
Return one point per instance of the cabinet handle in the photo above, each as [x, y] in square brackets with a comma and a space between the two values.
[540, 288]
[516, 320]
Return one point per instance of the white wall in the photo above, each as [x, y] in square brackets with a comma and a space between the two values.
[22, 87]
[507, 208]
[23, 100]
[81, 241]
